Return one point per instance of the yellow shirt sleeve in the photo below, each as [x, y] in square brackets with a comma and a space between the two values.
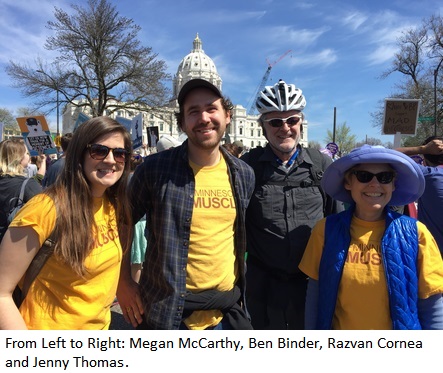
[310, 262]
[430, 264]
[40, 214]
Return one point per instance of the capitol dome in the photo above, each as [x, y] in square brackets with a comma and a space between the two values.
[196, 65]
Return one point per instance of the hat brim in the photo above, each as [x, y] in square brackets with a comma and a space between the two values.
[193, 84]
[409, 180]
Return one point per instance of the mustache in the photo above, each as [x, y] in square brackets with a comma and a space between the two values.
[205, 126]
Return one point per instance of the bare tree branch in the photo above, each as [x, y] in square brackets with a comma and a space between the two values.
[420, 51]
[100, 59]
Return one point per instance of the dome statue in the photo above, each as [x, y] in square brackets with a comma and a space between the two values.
[196, 65]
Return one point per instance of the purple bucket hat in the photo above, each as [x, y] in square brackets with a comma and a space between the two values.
[409, 180]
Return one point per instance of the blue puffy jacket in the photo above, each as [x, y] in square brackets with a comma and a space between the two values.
[399, 252]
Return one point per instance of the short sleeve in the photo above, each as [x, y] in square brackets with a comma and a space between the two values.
[310, 262]
[40, 214]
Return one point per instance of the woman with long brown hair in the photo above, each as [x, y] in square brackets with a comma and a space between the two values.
[84, 211]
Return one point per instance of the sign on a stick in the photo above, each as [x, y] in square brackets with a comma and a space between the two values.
[400, 116]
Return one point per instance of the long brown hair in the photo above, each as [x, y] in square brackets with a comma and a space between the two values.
[73, 198]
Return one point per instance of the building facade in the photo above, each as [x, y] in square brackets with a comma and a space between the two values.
[196, 64]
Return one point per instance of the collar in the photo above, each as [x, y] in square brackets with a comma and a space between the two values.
[291, 160]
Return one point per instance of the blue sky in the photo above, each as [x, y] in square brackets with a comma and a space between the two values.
[339, 49]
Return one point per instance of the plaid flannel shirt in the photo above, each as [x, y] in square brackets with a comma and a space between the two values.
[163, 188]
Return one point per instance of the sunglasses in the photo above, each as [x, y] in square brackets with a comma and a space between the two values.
[100, 152]
[382, 177]
[278, 122]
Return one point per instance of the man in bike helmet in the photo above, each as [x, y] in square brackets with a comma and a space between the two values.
[286, 203]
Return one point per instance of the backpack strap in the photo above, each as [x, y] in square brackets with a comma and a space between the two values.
[316, 170]
[15, 203]
[34, 269]
[22, 190]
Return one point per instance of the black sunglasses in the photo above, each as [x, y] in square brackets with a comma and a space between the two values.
[278, 122]
[383, 177]
[100, 152]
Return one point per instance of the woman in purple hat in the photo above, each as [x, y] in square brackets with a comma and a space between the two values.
[370, 267]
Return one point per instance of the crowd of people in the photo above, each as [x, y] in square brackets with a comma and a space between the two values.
[204, 236]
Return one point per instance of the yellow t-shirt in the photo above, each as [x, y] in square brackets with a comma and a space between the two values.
[362, 301]
[211, 256]
[59, 298]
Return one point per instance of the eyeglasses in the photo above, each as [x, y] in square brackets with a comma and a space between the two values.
[278, 122]
[100, 152]
[382, 177]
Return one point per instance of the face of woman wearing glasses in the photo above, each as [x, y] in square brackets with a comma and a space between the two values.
[371, 186]
[104, 173]
[282, 129]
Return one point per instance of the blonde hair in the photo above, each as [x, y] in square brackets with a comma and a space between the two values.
[12, 152]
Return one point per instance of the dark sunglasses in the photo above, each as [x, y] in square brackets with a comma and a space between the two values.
[365, 176]
[100, 152]
[278, 122]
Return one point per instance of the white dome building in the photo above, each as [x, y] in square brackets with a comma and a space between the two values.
[196, 64]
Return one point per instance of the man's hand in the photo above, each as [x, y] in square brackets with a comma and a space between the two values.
[433, 147]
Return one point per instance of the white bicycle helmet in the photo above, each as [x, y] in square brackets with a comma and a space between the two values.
[280, 97]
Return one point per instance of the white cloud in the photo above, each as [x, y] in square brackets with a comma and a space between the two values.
[377, 33]
[291, 36]
[323, 58]
[354, 20]
[304, 5]
[381, 54]
[23, 28]
[228, 16]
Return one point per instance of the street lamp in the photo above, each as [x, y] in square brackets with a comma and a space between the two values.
[435, 96]
[58, 127]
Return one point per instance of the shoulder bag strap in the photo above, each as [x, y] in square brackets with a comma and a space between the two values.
[37, 264]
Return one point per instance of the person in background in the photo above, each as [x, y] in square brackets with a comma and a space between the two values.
[370, 267]
[58, 141]
[233, 149]
[143, 151]
[138, 247]
[430, 204]
[195, 197]
[166, 142]
[286, 203]
[31, 169]
[14, 159]
[55, 169]
[240, 146]
[40, 162]
[84, 212]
